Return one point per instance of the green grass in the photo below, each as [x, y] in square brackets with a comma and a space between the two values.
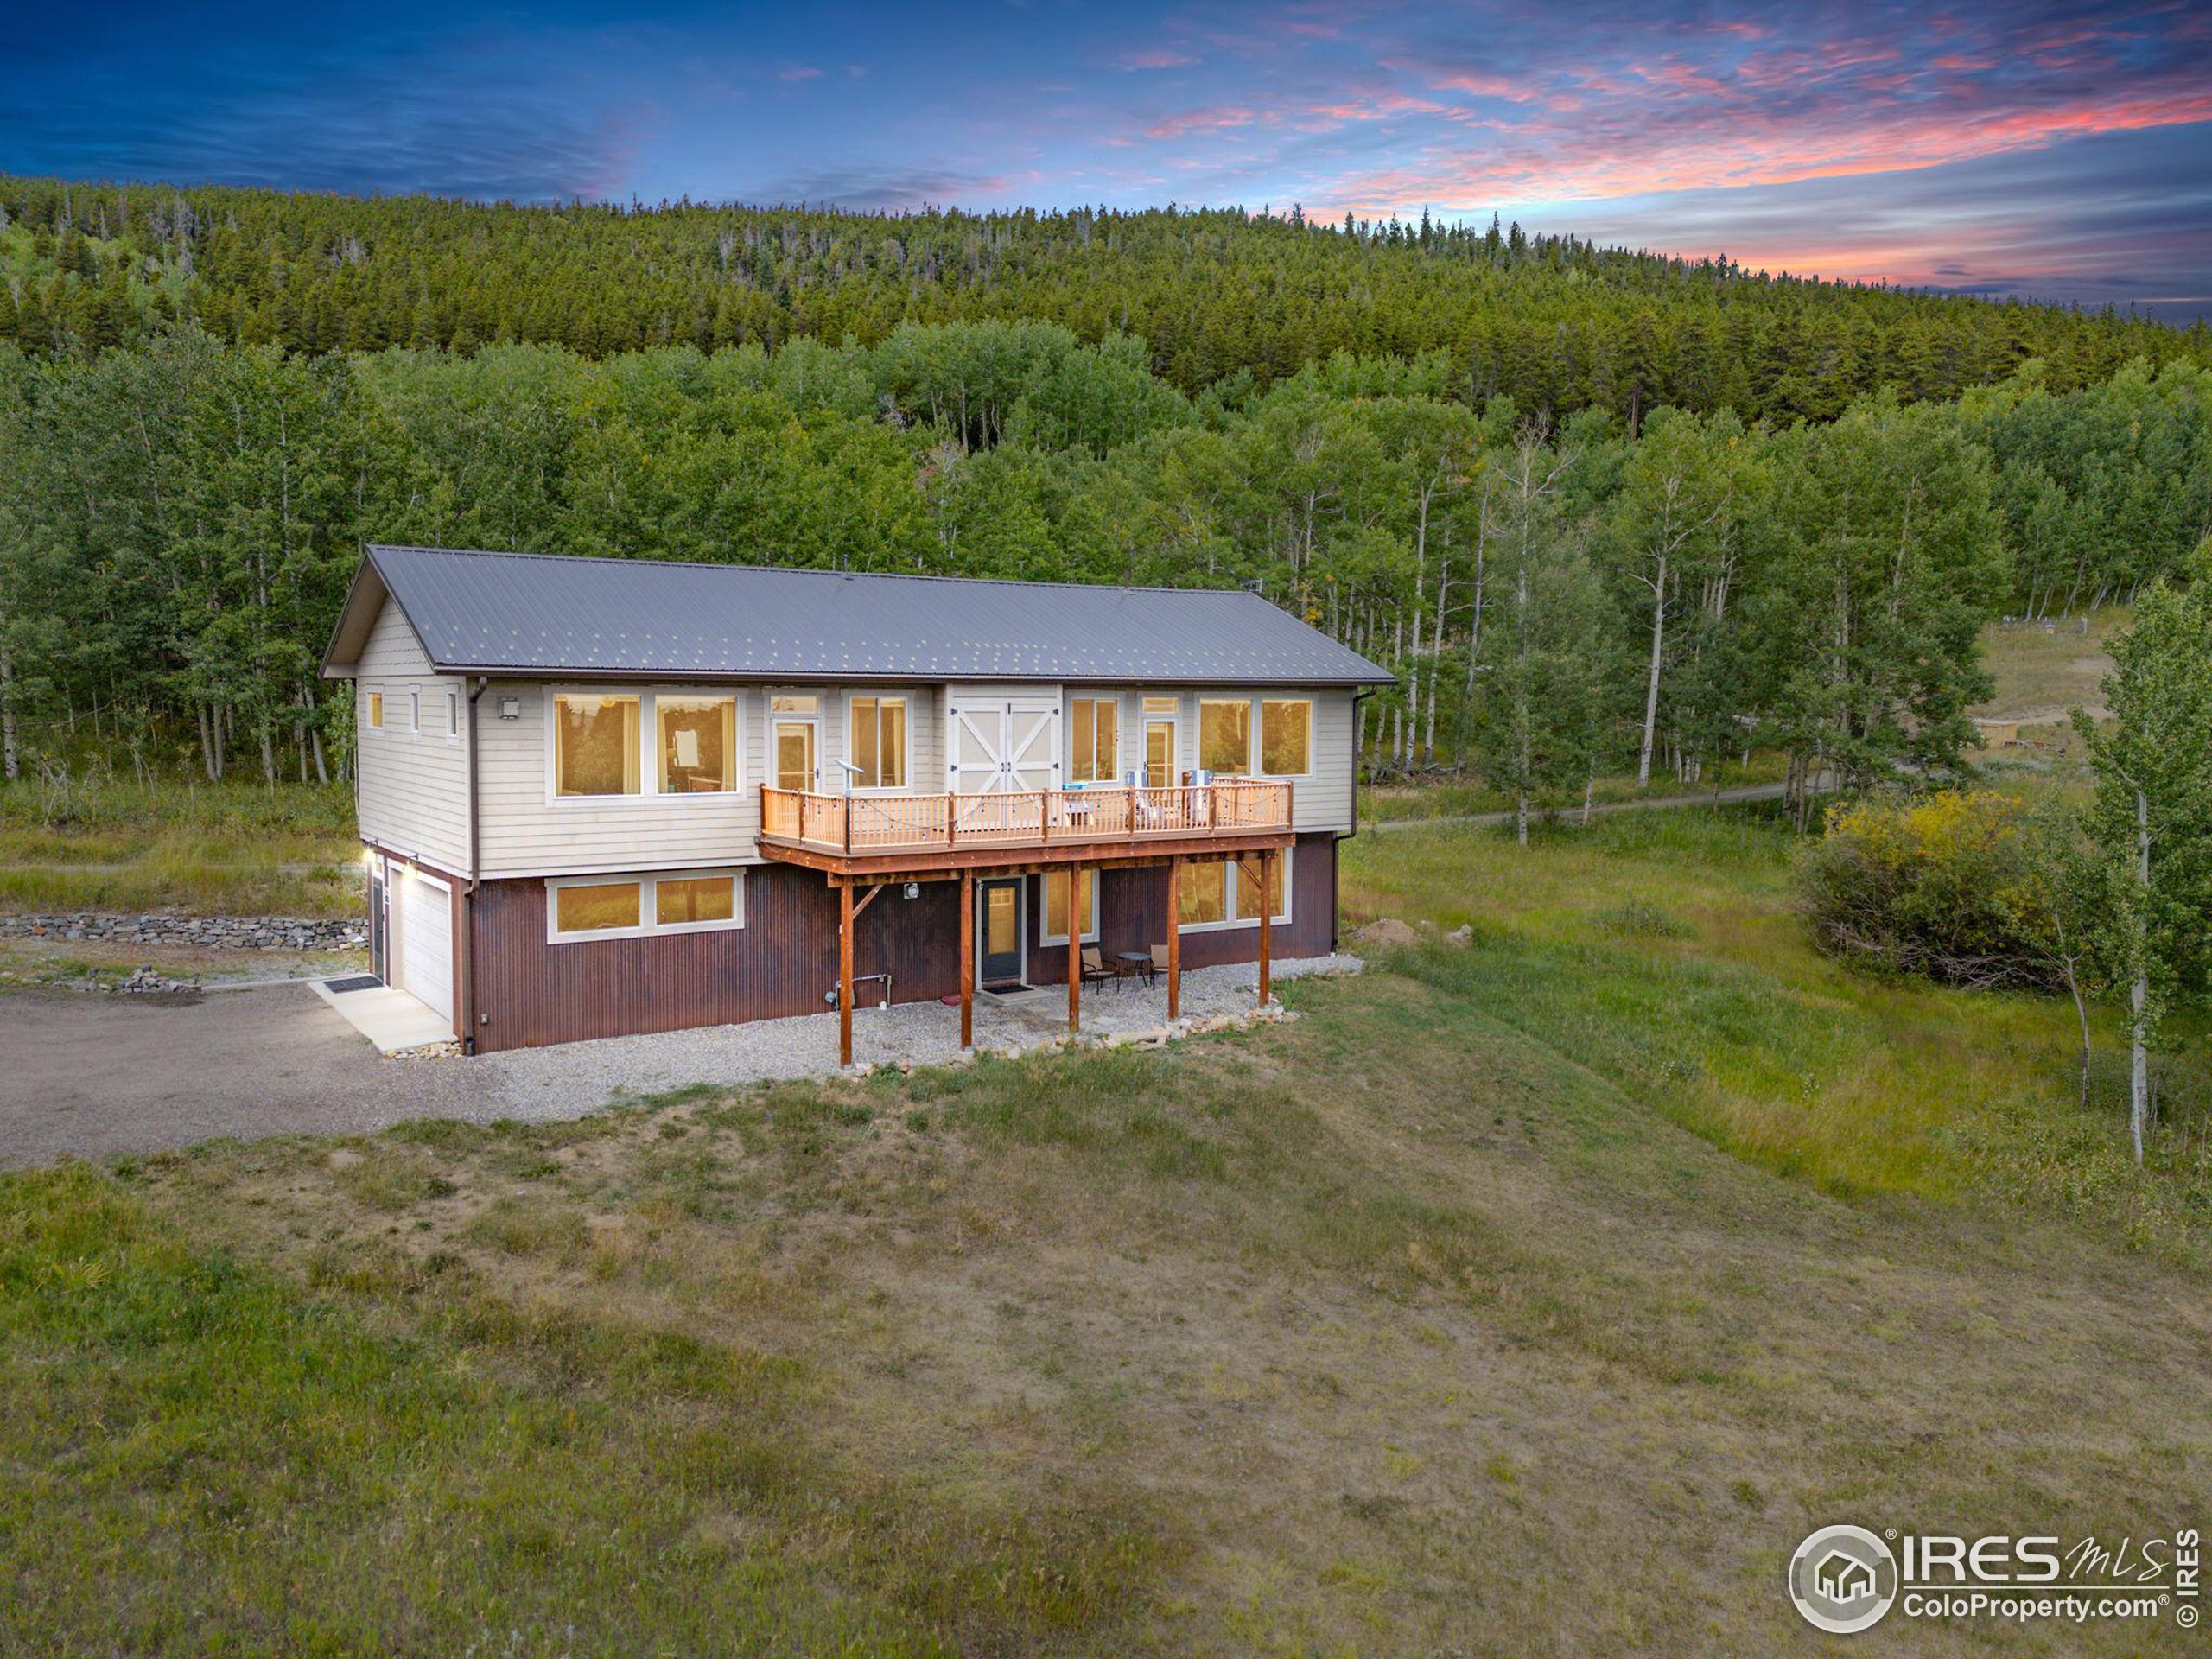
[235, 849]
[1530, 1297]
[1660, 950]
[1440, 795]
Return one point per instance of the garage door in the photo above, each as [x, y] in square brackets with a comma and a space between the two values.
[426, 940]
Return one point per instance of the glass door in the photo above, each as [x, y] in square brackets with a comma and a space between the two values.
[794, 737]
[1160, 742]
[999, 938]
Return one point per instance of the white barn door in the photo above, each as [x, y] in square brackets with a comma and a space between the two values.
[1003, 745]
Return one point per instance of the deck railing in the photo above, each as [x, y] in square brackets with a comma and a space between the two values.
[901, 823]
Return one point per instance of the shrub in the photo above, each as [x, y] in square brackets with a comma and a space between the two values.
[1938, 886]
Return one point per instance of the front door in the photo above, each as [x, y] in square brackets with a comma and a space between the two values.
[998, 933]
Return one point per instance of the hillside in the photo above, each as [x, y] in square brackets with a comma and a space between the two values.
[1552, 323]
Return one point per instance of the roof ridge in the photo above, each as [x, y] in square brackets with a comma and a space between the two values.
[808, 570]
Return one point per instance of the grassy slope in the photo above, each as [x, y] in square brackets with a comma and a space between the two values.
[235, 850]
[1420, 1325]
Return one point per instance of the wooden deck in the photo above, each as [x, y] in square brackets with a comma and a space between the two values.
[951, 832]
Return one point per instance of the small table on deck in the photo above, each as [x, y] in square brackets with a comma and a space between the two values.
[1130, 964]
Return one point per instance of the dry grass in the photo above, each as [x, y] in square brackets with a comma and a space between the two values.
[1391, 1331]
[2041, 675]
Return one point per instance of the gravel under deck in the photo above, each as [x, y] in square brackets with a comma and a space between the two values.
[539, 1084]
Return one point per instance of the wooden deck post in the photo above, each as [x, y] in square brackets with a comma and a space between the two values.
[1267, 919]
[966, 959]
[1174, 937]
[845, 974]
[1075, 947]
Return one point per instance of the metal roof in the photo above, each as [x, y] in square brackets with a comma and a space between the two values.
[535, 614]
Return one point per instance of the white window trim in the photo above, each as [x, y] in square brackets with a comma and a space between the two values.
[373, 708]
[1229, 899]
[456, 717]
[890, 694]
[1251, 735]
[414, 711]
[649, 787]
[646, 883]
[1115, 773]
[1045, 910]
[1260, 731]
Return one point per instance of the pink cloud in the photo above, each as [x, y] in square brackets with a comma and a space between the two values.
[1212, 120]
[798, 72]
[1159, 57]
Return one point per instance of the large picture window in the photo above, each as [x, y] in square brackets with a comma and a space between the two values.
[877, 745]
[1056, 906]
[698, 744]
[1229, 895]
[640, 907]
[1094, 740]
[1285, 736]
[596, 745]
[1225, 737]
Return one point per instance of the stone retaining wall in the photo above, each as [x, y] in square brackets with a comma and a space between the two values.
[222, 932]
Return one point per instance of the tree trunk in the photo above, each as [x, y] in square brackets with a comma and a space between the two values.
[2139, 993]
[1652, 685]
[10, 761]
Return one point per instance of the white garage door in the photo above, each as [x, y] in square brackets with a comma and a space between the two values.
[426, 940]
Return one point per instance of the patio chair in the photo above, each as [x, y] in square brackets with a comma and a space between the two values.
[1094, 965]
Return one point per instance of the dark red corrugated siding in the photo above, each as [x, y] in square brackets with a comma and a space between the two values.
[1133, 916]
[530, 993]
[779, 962]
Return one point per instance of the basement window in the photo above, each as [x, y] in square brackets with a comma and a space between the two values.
[585, 907]
[1055, 907]
[1228, 894]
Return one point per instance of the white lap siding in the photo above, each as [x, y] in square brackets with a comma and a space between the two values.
[414, 786]
[1320, 802]
[527, 832]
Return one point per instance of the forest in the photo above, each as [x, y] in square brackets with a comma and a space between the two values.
[1641, 558]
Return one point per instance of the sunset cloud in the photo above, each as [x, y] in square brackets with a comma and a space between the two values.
[1824, 138]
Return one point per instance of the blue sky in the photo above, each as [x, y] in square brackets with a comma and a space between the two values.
[2052, 148]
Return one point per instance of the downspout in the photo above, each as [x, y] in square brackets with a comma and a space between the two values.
[468, 908]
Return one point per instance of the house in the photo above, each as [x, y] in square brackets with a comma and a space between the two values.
[1843, 1578]
[603, 796]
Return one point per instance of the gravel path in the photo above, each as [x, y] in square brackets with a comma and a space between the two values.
[89, 1075]
[540, 1084]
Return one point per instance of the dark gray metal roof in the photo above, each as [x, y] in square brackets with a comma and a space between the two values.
[539, 615]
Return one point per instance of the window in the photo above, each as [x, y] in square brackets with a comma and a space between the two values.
[1161, 715]
[698, 744]
[1094, 740]
[688, 901]
[1225, 737]
[1285, 736]
[633, 907]
[414, 711]
[453, 713]
[1202, 895]
[878, 742]
[596, 908]
[1056, 906]
[1228, 894]
[376, 710]
[596, 745]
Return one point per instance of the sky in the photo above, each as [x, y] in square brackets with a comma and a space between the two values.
[2055, 148]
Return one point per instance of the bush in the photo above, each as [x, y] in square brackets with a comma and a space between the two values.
[1938, 887]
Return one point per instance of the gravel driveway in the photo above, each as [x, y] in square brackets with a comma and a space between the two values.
[91, 1075]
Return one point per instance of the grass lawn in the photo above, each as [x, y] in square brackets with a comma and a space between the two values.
[1534, 1297]
[232, 849]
